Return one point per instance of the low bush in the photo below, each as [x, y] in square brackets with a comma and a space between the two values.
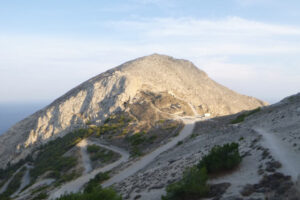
[95, 182]
[137, 138]
[136, 141]
[191, 186]
[135, 152]
[101, 154]
[50, 156]
[114, 124]
[15, 183]
[69, 176]
[97, 193]
[242, 117]
[93, 148]
[41, 196]
[221, 158]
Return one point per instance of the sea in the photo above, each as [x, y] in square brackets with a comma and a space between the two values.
[11, 113]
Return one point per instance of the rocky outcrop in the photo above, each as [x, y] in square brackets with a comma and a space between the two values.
[95, 99]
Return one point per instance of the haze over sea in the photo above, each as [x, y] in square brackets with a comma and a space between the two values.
[11, 113]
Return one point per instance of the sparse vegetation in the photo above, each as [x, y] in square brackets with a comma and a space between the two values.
[221, 158]
[135, 141]
[14, 185]
[39, 189]
[193, 184]
[95, 182]
[137, 138]
[101, 154]
[135, 152]
[5, 174]
[41, 196]
[97, 193]
[193, 135]
[114, 124]
[69, 176]
[50, 157]
[240, 118]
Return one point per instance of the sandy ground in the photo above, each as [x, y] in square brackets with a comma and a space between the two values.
[85, 158]
[283, 152]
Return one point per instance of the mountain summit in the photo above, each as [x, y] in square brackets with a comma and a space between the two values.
[150, 87]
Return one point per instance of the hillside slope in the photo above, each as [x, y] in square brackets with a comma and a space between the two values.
[157, 86]
[269, 142]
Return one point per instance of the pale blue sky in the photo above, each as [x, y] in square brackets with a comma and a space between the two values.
[48, 47]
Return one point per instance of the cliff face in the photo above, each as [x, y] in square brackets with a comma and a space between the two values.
[95, 99]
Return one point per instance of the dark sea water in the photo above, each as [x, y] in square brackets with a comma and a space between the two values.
[11, 113]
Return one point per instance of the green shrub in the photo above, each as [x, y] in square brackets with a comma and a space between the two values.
[113, 124]
[152, 138]
[41, 196]
[93, 148]
[15, 183]
[135, 152]
[6, 173]
[242, 117]
[221, 158]
[103, 155]
[50, 156]
[4, 197]
[95, 182]
[137, 139]
[191, 186]
[68, 177]
[39, 189]
[98, 153]
[97, 194]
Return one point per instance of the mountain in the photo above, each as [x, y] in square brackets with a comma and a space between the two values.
[179, 81]
[135, 127]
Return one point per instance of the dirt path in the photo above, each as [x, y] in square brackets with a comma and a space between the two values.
[76, 185]
[145, 160]
[283, 152]
[86, 162]
[25, 180]
[26, 194]
[4, 187]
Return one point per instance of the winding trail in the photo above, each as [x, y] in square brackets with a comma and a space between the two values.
[283, 152]
[189, 122]
[77, 184]
[86, 161]
[147, 159]
[4, 187]
[27, 192]
[25, 180]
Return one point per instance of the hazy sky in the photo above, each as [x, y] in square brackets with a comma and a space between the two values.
[48, 47]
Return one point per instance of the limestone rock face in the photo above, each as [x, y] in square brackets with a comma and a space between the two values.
[110, 91]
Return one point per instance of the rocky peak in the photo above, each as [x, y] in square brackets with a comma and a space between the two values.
[178, 80]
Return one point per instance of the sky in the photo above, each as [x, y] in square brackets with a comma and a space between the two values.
[48, 47]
